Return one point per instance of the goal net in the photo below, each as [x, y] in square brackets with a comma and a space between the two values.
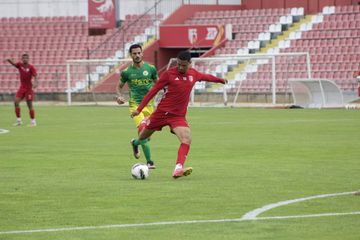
[252, 78]
[93, 80]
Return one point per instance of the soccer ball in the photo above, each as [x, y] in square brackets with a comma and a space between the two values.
[140, 171]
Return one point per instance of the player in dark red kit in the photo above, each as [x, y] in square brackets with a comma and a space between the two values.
[27, 73]
[178, 83]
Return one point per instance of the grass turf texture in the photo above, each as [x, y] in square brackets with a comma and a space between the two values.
[74, 170]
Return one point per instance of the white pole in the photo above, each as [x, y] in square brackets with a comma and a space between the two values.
[237, 93]
[68, 84]
[224, 88]
[308, 65]
[273, 81]
[322, 94]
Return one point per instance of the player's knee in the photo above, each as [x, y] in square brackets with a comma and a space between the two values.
[186, 140]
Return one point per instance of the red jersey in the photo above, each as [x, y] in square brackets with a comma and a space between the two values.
[26, 73]
[177, 90]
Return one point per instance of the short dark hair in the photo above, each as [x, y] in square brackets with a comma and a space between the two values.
[25, 54]
[134, 46]
[184, 56]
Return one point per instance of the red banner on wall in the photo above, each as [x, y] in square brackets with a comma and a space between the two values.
[101, 13]
[184, 36]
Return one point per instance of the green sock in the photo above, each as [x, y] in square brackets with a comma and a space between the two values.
[138, 142]
[146, 150]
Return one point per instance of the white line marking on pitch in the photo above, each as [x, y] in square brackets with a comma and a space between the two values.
[250, 216]
[2, 131]
[258, 211]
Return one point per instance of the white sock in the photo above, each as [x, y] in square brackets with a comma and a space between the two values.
[18, 119]
[178, 166]
[33, 120]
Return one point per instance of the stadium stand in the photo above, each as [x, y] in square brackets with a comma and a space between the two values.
[246, 24]
[50, 41]
[333, 46]
[331, 38]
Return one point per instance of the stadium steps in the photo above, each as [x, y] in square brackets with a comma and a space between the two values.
[285, 35]
[274, 43]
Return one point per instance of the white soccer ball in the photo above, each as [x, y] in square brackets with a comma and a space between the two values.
[140, 171]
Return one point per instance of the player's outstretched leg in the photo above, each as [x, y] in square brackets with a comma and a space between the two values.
[146, 149]
[146, 146]
[182, 154]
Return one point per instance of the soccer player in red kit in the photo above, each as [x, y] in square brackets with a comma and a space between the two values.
[27, 72]
[171, 110]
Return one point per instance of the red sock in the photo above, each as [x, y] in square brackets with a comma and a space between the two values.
[32, 113]
[17, 112]
[182, 153]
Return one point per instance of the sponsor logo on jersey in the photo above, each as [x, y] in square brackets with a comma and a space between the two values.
[145, 73]
[25, 69]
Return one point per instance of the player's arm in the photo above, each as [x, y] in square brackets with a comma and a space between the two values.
[160, 84]
[120, 97]
[11, 61]
[210, 78]
[34, 73]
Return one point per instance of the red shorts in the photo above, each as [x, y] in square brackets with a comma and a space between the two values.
[28, 94]
[159, 119]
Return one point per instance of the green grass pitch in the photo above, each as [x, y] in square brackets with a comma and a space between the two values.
[73, 170]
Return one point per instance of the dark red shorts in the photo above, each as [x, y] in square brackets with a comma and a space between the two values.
[159, 119]
[28, 94]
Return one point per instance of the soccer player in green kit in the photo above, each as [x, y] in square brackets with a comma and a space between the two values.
[140, 77]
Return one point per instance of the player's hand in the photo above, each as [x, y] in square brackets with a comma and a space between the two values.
[120, 100]
[134, 113]
[35, 84]
[225, 81]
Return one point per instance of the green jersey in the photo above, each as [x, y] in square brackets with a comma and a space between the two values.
[140, 80]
